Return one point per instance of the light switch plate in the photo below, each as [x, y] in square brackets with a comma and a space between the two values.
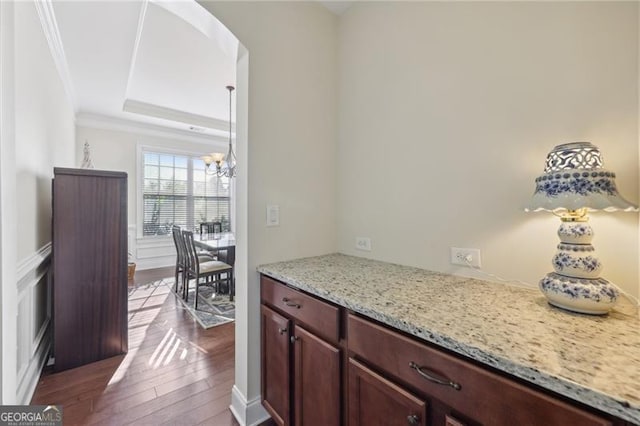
[273, 215]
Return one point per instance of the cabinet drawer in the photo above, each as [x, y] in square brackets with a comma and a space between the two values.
[480, 394]
[319, 316]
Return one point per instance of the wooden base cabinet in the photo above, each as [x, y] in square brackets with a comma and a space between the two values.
[316, 389]
[374, 400]
[460, 393]
[325, 366]
[301, 371]
[276, 365]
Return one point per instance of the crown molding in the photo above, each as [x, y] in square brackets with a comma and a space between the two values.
[157, 111]
[104, 122]
[52, 34]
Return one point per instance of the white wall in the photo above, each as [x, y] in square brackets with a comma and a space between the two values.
[113, 148]
[37, 135]
[45, 130]
[292, 112]
[447, 112]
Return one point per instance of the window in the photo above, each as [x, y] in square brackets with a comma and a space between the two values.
[177, 191]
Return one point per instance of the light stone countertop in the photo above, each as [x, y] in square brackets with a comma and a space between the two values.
[591, 359]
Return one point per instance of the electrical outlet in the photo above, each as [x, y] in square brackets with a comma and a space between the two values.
[465, 257]
[363, 243]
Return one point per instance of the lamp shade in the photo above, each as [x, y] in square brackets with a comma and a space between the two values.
[574, 178]
[217, 157]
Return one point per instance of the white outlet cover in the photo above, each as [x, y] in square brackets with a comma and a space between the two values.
[469, 257]
[363, 243]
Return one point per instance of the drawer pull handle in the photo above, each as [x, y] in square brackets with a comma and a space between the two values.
[288, 302]
[294, 338]
[282, 330]
[433, 378]
[413, 419]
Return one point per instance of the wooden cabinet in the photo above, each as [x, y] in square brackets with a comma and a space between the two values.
[316, 387]
[461, 393]
[89, 266]
[301, 357]
[374, 400]
[276, 365]
[322, 365]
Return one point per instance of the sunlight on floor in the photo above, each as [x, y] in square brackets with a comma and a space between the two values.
[165, 350]
[122, 369]
[145, 304]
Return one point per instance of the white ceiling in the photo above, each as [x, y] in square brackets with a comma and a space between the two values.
[161, 63]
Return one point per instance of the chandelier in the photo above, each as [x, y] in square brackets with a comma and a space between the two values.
[224, 166]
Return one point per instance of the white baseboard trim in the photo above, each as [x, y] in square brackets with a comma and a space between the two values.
[247, 413]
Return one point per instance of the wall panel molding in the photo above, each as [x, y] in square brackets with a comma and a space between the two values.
[29, 266]
[148, 253]
[33, 323]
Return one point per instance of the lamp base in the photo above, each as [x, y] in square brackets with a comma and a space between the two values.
[586, 296]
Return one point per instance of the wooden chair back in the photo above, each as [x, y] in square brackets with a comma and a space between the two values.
[210, 227]
[179, 243]
[193, 263]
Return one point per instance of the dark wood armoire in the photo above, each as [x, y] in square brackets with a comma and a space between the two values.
[89, 266]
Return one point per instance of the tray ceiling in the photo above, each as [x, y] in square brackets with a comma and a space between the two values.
[160, 63]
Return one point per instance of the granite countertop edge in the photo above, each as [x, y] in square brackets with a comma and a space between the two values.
[559, 385]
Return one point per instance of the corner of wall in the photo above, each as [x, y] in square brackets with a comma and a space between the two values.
[247, 413]
[8, 235]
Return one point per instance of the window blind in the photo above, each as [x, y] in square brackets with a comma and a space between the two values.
[177, 191]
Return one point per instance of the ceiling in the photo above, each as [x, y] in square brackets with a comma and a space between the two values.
[159, 63]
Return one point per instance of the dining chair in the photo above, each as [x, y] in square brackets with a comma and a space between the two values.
[210, 228]
[228, 256]
[209, 270]
[181, 256]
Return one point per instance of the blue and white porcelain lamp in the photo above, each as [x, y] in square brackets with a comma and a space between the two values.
[573, 183]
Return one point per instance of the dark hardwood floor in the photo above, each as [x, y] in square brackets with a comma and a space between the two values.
[176, 373]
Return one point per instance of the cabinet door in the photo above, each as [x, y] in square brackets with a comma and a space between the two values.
[275, 365]
[374, 400]
[317, 380]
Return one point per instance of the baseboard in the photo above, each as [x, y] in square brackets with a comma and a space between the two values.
[247, 413]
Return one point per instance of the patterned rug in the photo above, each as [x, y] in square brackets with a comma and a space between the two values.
[213, 308]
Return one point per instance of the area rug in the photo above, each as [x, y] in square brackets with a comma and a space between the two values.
[213, 308]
